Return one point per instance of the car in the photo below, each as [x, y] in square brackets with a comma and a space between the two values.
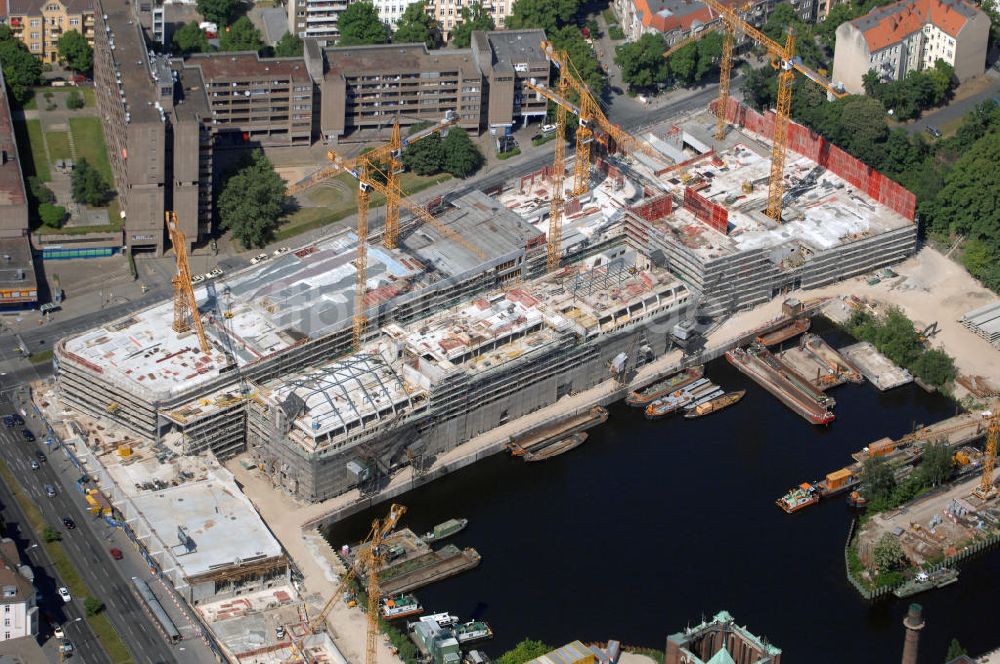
[66, 648]
[933, 131]
[279, 632]
[548, 128]
[8, 421]
[41, 457]
[258, 258]
[57, 632]
[117, 554]
[27, 435]
[34, 465]
[536, 138]
[18, 420]
[197, 279]
[280, 251]
[64, 593]
[50, 491]
[214, 274]
[616, 90]
[69, 523]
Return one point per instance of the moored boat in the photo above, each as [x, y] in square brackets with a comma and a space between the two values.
[794, 328]
[716, 404]
[441, 619]
[679, 398]
[801, 496]
[557, 448]
[474, 630]
[400, 606]
[445, 529]
[927, 580]
[857, 499]
[651, 393]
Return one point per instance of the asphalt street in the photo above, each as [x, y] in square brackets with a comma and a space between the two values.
[87, 544]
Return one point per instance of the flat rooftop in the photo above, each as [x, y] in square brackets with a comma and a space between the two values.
[17, 270]
[219, 520]
[241, 66]
[284, 301]
[516, 47]
[131, 58]
[11, 183]
[376, 59]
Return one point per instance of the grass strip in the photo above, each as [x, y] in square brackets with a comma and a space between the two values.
[41, 357]
[31, 146]
[88, 136]
[67, 571]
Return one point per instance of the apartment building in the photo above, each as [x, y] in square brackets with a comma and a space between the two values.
[316, 18]
[370, 87]
[449, 12]
[911, 35]
[18, 289]
[677, 19]
[263, 101]
[18, 610]
[40, 23]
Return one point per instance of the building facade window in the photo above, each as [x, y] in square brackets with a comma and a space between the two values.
[74, 21]
[35, 22]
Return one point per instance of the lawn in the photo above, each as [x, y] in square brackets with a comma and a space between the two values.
[88, 135]
[67, 571]
[58, 142]
[89, 98]
[609, 16]
[31, 148]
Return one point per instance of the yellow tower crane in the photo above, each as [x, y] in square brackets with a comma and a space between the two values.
[370, 559]
[185, 304]
[784, 60]
[986, 490]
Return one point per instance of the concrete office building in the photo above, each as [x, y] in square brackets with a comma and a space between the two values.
[316, 18]
[911, 35]
[40, 23]
[370, 87]
[18, 289]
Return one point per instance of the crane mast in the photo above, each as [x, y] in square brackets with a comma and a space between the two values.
[185, 303]
[986, 490]
[554, 239]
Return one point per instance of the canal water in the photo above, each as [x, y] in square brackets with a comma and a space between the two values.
[651, 526]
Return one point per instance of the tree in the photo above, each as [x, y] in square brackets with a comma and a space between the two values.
[52, 215]
[75, 51]
[642, 63]
[474, 17]
[545, 14]
[240, 36]
[524, 651]
[888, 554]
[87, 185]
[426, 156]
[955, 649]
[936, 464]
[569, 40]
[50, 534]
[93, 606]
[217, 11]
[967, 203]
[289, 46]
[360, 24]
[38, 191]
[838, 14]
[416, 25]
[74, 100]
[21, 70]
[189, 38]
[461, 157]
[935, 367]
[709, 54]
[252, 201]
[878, 481]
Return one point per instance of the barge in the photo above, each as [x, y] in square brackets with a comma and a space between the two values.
[757, 363]
[647, 395]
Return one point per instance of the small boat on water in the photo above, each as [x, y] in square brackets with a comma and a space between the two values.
[927, 580]
[857, 500]
[443, 620]
[446, 529]
[801, 496]
[716, 404]
[557, 448]
[647, 395]
[672, 402]
[400, 606]
[795, 328]
[475, 630]
[705, 397]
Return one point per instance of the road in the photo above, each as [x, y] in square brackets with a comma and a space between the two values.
[87, 544]
[957, 109]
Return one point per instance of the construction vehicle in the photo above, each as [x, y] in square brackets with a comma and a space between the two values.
[185, 304]
[986, 490]
[371, 559]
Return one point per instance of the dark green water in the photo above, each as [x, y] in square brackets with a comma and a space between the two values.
[649, 526]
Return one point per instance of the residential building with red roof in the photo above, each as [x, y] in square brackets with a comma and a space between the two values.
[676, 19]
[911, 35]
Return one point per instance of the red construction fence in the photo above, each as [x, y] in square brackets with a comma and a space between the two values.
[655, 209]
[706, 211]
[810, 144]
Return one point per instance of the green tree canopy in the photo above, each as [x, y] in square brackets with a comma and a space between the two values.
[240, 36]
[360, 24]
[218, 11]
[52, 215]
[545, 14]
[888, 554]
[935, 367]
[289, 46]
[252, 201]
[827, 30]
[426, 156]
[936, 464]
[87, 185]
[474, 17]
[642, 63]
[416, 25]
[878, 481]
[969, 202]
[461, 156]
[569, 39]
[955, 649]
[93, 606]
[75, 51]
[189, 38]
[524, 651]
[21, 70]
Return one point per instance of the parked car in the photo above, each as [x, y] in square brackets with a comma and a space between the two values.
[215, 274]
[50, 491]
[18, 420]
[27, 435]
[258, 258]
[197, 279]
[64, 593]
[57, 632]
[117, 554]
[280, 251]
[616, 90]
[34, 465]
[69, 523]
[933, 131]
[8, 421]
[548, 128]
[41, 457]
